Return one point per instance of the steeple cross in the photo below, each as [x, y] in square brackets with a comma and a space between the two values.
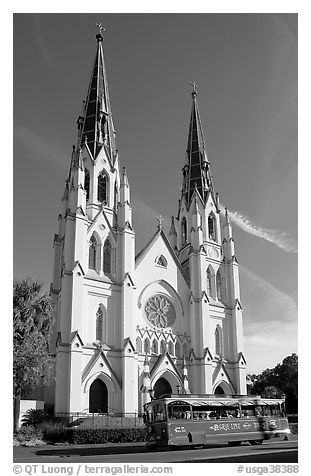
[100, 27]
[160, 219]
[194, 86]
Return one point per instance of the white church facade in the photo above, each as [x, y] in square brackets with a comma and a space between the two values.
[168, 319]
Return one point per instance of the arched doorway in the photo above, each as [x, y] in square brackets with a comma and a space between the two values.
[98, 397]
[219, 390]
[162, 387]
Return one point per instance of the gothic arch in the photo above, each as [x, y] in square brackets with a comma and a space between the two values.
[107, 257]
[87, 183]
[173, 379]
[93, 251]
[162, 387]
[219, 285]
[171, 348]
[210, 281]
[162, 346]
[223, 386]
[218, 335]
[109, 381]
[101, 324]
[103, 187]
[212, 226]
[155, 347]
[139, 347]
[183, 228]
[98, 397]
[147, 346]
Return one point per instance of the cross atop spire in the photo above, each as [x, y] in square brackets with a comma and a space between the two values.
[194, 92]
[160, 220]
[100, 27]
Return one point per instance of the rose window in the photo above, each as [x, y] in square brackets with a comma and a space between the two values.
[160, 311]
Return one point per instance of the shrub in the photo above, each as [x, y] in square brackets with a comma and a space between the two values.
[104, 435]
[34, 417]
[54, 432]
[28, 433]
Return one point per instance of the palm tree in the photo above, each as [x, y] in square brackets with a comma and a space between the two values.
[32, 320]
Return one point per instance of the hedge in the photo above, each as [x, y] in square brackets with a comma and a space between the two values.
[61, 434]
[105, 435]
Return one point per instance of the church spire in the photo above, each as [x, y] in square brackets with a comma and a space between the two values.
[96, 125]
[196, 170]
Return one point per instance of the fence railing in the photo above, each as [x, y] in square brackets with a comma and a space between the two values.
[101, 420]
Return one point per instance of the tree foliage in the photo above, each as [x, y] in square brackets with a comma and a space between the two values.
[281, 380]
[32, 320]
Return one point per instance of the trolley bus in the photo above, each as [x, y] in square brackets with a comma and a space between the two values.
[198, 420]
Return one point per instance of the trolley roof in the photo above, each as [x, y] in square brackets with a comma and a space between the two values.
[217, 400]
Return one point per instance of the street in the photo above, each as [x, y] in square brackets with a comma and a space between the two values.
[269, 452]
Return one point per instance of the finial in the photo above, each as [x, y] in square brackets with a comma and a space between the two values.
[194, 92]
[100, 29]
[160, 219]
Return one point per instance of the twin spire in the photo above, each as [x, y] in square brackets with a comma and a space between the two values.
[196, 171]
[96, 128]
[95, 124]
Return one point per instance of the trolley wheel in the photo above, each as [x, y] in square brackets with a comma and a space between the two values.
[256, 442]
[234, 443]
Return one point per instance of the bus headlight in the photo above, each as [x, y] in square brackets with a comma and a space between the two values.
[273, 424]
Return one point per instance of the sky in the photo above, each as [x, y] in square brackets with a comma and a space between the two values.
[245, 68]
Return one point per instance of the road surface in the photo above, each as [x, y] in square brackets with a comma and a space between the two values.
[268, 452]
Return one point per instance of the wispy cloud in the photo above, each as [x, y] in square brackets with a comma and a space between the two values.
[282, 240]
[269, 321]
[41, 149]
[40, 37]
[272, 304]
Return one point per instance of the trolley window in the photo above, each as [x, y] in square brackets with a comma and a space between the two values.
[179, 410]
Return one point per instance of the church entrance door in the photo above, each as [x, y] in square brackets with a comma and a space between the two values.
[219, 391]
[162, 387]
[98, 399]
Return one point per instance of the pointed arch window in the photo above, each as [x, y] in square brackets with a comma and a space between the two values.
[183, 231]
[92, 252]
[162, 347]
[138, 344]
[107, 257]
[177, 350]
[87, 183]
[147, 346]
[171, 348]
[116, 196]
[209, 282]
[218, 341]
[212, 227]
[185, 349]
[99, 324]
[155, 346]
[102, 188]
[219, 286]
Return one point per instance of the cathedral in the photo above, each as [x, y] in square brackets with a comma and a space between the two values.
[166, 320]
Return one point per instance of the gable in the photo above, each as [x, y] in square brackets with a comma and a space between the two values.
[99, 364]
[158, 259]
